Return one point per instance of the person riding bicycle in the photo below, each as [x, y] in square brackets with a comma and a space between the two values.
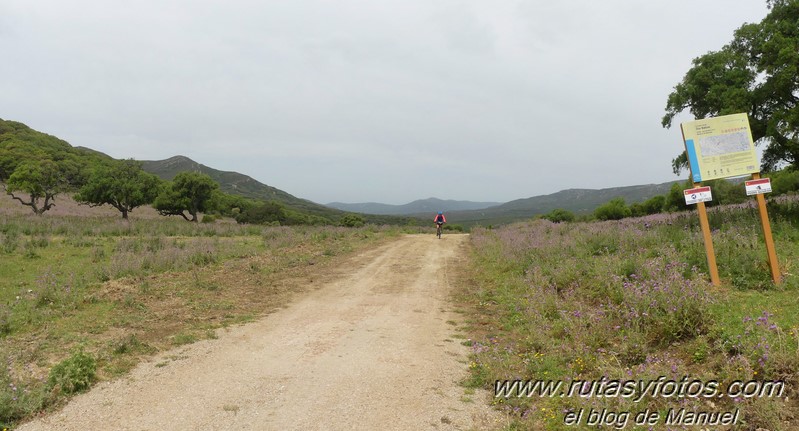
[439, 220]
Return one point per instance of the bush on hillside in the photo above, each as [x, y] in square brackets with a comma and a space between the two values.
[454, 228]
[615, 209]
[559, 215]
[352, 220]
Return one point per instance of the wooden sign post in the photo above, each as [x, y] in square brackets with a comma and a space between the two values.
[771, 252]
[711, 253]
[699, 195]
[722, 147]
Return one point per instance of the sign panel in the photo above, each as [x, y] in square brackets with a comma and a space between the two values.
[756, 187]
[699, 194]
[720, 147]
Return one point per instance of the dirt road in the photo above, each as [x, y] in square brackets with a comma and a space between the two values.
[372, 349]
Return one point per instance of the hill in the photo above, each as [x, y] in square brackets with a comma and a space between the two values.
[583, 200]
[19, 143]
[233, 183]
[575, 200]
[579, 201]
[244, 185]
[416, 207]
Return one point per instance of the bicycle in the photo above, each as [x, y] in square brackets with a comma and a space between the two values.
[438, 229]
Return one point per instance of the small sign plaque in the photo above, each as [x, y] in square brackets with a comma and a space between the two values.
[756, 187]
[696, 195]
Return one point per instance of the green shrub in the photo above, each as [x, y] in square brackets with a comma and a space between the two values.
[726, 192]
[784, 181]
[654, 205]
[675, 198]
[352, 220]
[74, 374]
[263, 214]
[454, 227]
[616, 209]
[559, 215]
[637, 210]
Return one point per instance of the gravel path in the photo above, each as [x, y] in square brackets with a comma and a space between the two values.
[371, 350]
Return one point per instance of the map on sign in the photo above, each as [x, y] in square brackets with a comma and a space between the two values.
[720, 147]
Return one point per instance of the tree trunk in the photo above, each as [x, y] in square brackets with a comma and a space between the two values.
[31, 204]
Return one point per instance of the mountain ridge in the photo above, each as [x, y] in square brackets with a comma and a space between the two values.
[468, 213]
[414, 207]
[577, 200]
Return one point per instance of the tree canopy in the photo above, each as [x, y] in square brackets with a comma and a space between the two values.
[189, 192]
[40, 180]
[756, 73]
[19, 144]
[40, 165]
[122, 184]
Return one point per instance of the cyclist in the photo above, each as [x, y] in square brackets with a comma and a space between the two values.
[439, 220]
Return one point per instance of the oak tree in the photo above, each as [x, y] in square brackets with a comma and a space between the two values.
[756, 73]
[40, 181]
[119, 183]
[189, 192]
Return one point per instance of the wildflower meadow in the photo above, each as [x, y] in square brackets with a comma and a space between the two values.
[630, 300]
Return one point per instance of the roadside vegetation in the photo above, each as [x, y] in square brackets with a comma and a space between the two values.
[84, 298]
[725, 192]
[631, 299]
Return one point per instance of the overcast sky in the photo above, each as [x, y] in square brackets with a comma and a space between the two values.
[380, 100]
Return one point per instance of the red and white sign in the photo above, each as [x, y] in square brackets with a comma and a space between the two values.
[756, 187]
[699, 194]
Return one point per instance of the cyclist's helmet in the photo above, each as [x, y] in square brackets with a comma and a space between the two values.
[440, 212]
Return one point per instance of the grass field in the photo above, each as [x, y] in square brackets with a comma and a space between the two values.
[85, 295]
[631, 300]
